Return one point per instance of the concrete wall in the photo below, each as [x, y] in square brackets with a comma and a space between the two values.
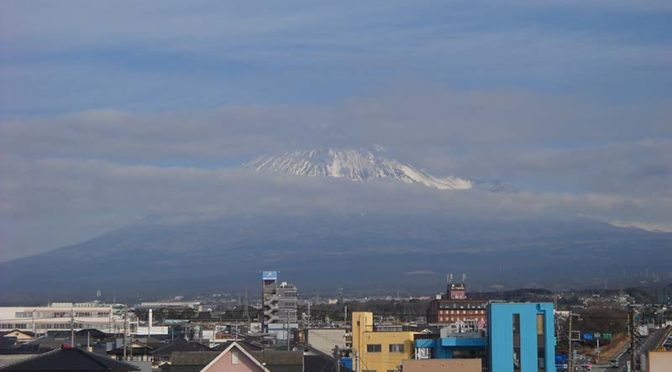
[325, 339]
[660, 361]
[442, 365]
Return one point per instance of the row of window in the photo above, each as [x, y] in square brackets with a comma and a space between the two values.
[458, 306]
[454, 319]
[60, 314]
[13, 326]
[52, 326]
[392, 348]
[463, 311]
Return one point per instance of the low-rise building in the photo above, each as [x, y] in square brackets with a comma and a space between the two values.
[457, 309]
[60, 316]
[326, 340]
[377, 351]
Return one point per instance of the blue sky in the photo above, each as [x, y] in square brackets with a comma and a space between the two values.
[74, 56]
[568, 101]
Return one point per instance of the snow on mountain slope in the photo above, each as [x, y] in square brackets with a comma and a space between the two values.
[354, 165]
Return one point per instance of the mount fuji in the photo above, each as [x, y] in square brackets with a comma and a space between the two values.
[355, 165]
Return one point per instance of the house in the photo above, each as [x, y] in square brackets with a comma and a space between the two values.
[189, 361]
[237, 358]
[70, 359]
[20, 336]
[135, 351]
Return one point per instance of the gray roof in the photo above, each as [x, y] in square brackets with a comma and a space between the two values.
[193, 358]
[277, 357]
[71, 360]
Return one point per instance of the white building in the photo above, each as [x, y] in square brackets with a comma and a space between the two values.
[64, 316]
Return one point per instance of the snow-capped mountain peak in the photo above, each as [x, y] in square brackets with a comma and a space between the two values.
[352, 164]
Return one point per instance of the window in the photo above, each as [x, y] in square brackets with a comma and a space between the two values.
[234, 357]
[373, 348]
[396, 348]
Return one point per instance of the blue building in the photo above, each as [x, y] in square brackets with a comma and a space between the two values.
[521, 335]
[520, 338]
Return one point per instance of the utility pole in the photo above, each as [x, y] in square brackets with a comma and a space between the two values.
[246, 311]
[358, 368]
[337, 356]
[570, 349]
[631, 326]
[72, 328]
[125, 325]
[570, 357]
[287, 329]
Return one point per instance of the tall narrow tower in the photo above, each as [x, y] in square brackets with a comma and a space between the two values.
[269, 300]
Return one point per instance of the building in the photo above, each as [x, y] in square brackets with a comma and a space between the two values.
[64, 316]
[279, 304]
[236, 358]
[193, 305]
[269, 303]
[521, 335]
[287, 296]
[376, 351]
[326, 339]
[659, 361]
[456, 309]
[442, 365]
[19, 336]
[465, 345]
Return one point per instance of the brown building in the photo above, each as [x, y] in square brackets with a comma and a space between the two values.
[456, 308]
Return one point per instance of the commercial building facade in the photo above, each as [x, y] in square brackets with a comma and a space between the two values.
[66, 316]
[279, 304]
[456, 309]
[376, 351]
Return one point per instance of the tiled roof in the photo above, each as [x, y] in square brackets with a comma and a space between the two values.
[276, 357]
[70, 360]
[245, 344]
[180, 345]
[192, 358]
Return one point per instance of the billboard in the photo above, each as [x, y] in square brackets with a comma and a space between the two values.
[269, 275]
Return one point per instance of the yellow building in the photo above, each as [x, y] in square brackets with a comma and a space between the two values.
[378, 351]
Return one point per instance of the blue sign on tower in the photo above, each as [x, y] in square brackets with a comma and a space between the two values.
[269, 275]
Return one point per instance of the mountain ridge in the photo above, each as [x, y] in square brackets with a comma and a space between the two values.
[352, 164]
[321, 251]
